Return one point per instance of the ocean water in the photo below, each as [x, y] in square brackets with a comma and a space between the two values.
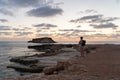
[91, 42]
[12, 49]
[9, 50]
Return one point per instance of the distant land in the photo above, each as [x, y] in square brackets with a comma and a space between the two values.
[42, 40]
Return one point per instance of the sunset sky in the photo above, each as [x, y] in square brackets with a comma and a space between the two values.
[63, 20]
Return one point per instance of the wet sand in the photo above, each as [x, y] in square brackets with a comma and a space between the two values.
[102, 63]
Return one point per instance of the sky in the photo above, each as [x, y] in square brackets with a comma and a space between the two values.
[62, 20]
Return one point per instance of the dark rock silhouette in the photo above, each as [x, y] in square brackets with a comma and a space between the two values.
[51, 47]
[42, 40]
[23, 60]
[31, 69]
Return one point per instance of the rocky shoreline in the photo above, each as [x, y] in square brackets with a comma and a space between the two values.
[37, 63]
[101, 64]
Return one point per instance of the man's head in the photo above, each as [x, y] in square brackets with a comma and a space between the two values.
[81, 37]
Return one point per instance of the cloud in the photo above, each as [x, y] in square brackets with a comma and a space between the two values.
[88, 11]
[75, 30]
[103, 20]
[90, 17]
[68, 34]
[2, 2]
[25, 3]
[117, 31]
[117, 1]
[3, 20]
[86, 18]
[115, 36]
[78, 26]
[46, 11]
[66, 30]
[105, 25]
[45, 25]
[21, 3]
[97, 21]
[23, 33]
[6, 12]
[5, 33]
[5, 28]
[99, 35]
[59, 3]
[95, 35]
[94, 19]
[38, 30]
[39, 8]
[103, 36]
[21, 29]
[63, 34]
[43, 34]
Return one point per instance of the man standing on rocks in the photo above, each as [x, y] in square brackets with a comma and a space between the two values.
[82, 44]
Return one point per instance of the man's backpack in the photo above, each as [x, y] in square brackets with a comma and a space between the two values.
[83, 43]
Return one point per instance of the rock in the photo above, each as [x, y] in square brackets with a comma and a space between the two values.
[53, 47]
[61, 65]
[24, 61]
[31, 69]
[42, 40]
[49, 70]
[77, 68]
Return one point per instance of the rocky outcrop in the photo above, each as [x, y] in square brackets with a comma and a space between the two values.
[49, 70]
[23, 68]
[42, 40]
[51, 47]
[23, 60]
[41, 62]
[61, 65]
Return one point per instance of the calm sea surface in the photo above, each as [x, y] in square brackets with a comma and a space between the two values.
[9, 50]
[12, 49]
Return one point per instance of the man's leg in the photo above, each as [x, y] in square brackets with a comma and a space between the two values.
[82, 52]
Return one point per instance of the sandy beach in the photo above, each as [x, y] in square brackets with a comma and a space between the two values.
[102, 63]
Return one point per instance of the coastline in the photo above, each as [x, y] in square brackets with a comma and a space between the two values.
[102, 63]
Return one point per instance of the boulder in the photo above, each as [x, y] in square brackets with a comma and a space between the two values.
[49, 70]
[61, 65]
[42, 40]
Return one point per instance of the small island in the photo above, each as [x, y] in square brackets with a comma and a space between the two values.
[42, 40]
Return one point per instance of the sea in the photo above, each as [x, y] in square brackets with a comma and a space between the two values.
[9, 49]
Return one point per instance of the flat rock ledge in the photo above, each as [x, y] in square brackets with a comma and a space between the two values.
[30, 69]
[24, 60]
